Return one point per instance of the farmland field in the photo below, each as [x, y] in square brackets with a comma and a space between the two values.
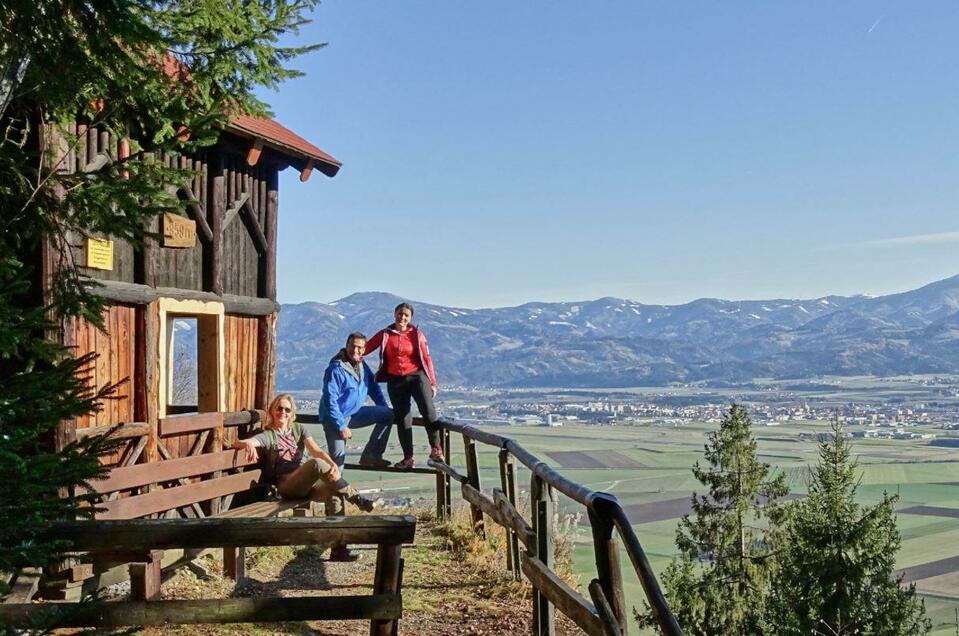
[648, 469]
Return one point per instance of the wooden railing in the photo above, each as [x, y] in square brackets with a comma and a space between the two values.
[605, 613]
[530, 544]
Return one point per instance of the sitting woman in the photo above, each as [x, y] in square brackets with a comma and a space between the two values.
[407, 369]
[283, 441]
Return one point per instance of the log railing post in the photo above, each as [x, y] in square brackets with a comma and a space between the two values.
[447, 482]
[542, 518]
[608, 571]
[507, 477]
[473, 478]
[386, 580]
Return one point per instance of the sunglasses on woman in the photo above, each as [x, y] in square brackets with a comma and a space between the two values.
[283, 409]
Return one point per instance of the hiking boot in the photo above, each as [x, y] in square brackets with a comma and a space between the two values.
[343, 554]
[407, 463]
[373, 462]
[436, 453]
[361, 502]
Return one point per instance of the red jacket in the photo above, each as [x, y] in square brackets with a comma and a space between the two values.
[422, 353]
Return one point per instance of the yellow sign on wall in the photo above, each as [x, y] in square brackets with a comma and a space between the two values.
[99, 254]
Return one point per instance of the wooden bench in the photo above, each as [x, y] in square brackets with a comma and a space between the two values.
[184, 485]
[383, 608]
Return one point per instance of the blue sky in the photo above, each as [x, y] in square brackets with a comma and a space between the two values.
[502, 152]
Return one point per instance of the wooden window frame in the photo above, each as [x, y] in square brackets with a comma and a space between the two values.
[210, 346]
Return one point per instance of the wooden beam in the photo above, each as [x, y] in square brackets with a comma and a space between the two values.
[233, 210]
[151, 374]
[272, 207]
[306, 171]
[220, 532]
[562, 596]
[256, 233]
[123, 431]
[386, 580]
[142, 294]
[24, 586]
[198, 214]
[253, 156]
[265, 360]
[226, 610]
[213, 268]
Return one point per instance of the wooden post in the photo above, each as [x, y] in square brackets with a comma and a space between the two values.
[608, 570]
[507, 477]
[216, 208]
[151, 374]
[145, 578]
[447, 481]
[441, 503]
[272, 203]
[473, 478]
[265, 360]
[542, 517]
[386, 580]
[234, 563]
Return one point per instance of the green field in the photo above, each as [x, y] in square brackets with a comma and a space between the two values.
[919, 473]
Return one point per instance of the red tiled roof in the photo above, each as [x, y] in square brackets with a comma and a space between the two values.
[284, 140]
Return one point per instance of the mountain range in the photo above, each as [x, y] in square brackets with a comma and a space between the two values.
[612, 342]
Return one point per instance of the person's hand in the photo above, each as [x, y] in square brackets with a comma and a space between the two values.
[249, 447]
[332, 475]
[434, 390]
[346, 433]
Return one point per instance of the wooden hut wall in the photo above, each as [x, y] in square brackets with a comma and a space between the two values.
[116, 362]
[182, 268]
[241, 356]
[244, 226]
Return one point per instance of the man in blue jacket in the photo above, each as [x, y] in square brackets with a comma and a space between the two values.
[347, 382]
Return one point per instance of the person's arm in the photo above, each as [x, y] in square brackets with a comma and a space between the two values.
[333, 474]
[249, 445]
[333, 387]
[373, 343]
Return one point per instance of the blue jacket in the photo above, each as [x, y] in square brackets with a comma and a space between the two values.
[344, 393]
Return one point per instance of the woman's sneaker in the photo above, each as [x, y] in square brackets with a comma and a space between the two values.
[436, 453]
[406, 463]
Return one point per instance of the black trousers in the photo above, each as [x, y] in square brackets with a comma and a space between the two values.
[416, 387]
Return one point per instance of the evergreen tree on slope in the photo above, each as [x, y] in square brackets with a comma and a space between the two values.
[718, 585]
[835, 574]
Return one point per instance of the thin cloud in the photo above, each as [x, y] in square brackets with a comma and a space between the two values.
[876, 23]
[915, 239]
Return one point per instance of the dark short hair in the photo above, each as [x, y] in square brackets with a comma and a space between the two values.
[356, 335]
[404, 306]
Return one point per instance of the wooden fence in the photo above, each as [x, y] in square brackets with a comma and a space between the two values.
[530, 544]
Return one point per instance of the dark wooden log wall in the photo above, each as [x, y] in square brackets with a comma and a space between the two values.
[244, 253]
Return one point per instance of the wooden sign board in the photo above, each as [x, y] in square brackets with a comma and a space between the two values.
[99, 254]
[178, 231]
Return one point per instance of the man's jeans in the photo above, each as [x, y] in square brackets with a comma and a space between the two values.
[381, 417]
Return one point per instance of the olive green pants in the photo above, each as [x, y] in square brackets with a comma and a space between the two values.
[306, 482]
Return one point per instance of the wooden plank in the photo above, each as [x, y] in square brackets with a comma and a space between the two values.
[502, 512]
[262, 509]
[198, 214]
[610, 623]
[234, 209]
[179, 424]
[25, 586]
[128, 477]
[253, 227]
[215, 208]
[151, 374]
[169, 498]
[571, 603]
[221, 532]
[227, 610]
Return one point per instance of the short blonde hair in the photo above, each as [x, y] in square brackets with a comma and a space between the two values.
[271, 421]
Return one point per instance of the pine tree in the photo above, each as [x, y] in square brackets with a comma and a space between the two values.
[836, 569]
[719, 583]
[103, 63]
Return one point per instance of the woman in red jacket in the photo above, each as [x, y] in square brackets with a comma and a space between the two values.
[407, 369]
